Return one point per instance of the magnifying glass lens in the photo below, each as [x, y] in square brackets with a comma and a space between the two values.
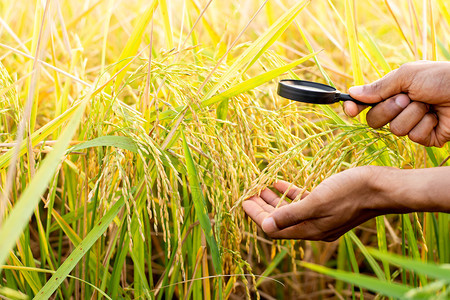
[312, 92]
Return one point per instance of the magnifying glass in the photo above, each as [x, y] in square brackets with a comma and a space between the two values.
[313, 92]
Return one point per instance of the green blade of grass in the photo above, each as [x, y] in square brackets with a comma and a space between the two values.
[22, 211]
[131, 47]
[82, 248]
[275, 262]
[26, 269]
[251, 55]
[28, 276]
[255, 82]
[353, 43]
[383, 287]
[200, 207]
[122, 142]
[420, 267]
[374, 50]
[12, 294]
[167, 27]
[127, 143]
[375, 267]
[382, 243]
[444, 243]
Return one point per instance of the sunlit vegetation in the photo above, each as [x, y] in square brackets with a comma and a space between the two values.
[131, 131]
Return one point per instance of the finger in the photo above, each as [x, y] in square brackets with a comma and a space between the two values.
[441, 135]
[261, 202]
[305, 231]
[293, 192]
[271, 198]
[423, 132]
[289, 215]
[312, 230]
[386, 111]
[408, 118]
[391, 84]
[255, 211]
[352, 109]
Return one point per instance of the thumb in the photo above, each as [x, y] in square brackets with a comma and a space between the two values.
[288, 215]
[383, 88]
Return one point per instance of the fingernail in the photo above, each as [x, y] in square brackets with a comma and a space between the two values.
[269, 225]
[345, 109]
[356, 90]
[402, 101]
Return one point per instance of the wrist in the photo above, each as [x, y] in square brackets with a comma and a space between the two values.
[404, 191]
[386, 188]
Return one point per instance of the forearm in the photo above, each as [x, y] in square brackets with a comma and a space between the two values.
[403, 191]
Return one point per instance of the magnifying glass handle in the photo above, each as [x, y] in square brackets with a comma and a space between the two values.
[347, 97]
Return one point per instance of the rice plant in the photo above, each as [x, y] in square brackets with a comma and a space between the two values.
[131, 131]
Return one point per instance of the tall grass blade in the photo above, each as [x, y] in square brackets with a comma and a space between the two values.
[383, 287]
[108, 141]
[167, 26]
[418, 266]
[200, 207]
[21, 213]
[131, 47]
[258, 47]
[375, 267]
[82, 248]
[273, 264]
[353, 42]
[39, 135]
[255, 82]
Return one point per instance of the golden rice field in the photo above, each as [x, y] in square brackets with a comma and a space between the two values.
[131, 131]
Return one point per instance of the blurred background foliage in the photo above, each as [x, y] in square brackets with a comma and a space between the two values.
[144, 124]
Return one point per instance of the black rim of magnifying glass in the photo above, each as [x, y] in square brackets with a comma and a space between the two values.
[292, 89]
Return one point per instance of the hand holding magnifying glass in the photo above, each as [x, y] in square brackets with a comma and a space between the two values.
[413, 99]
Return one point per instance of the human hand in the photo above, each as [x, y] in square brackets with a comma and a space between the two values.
[416, 102]
[338, 204]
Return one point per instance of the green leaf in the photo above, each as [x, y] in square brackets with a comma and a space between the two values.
[132, 45]
[251, 55]
[8, 293]
[200, 206]
[375, 267]
[273, 264]
[82, 248]
[432, 156]
[383, 287]
[255, 81]
[425, 268]
[122, 142]
[353, 43]
[127, 143]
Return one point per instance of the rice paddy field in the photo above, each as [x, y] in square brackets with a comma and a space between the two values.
[131, 132]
